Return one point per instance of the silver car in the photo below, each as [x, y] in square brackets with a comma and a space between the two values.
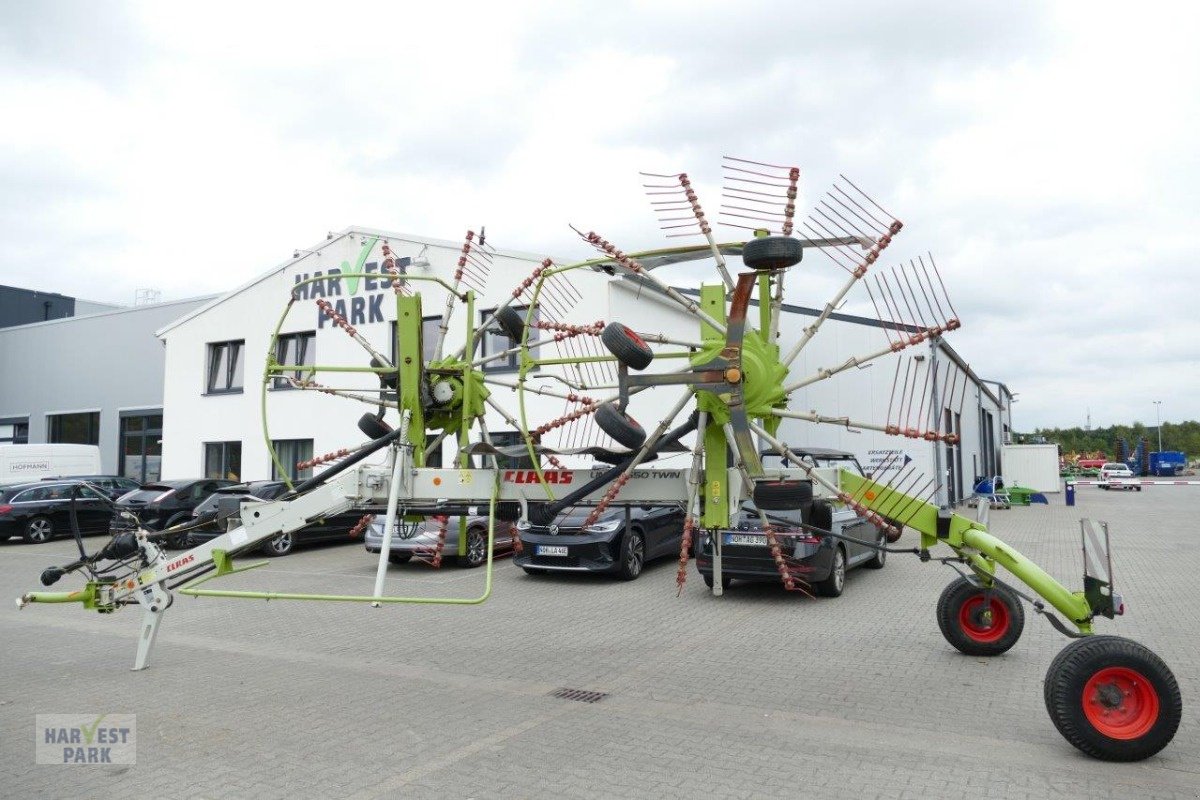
[421, 539]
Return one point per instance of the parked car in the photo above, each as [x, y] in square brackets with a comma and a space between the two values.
[823, 560]
[606, 546]
[37, 512]
[113, 485]
[1118, 476]
[413, 538]
[227, 503]
[163, 504]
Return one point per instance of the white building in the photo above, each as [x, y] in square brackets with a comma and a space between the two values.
[216, 356]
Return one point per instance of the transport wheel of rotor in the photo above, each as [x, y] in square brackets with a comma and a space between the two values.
[280, 545]
[626, 346]
[373, 426]
[782, 495]
[977, 624]
[177, 541]
[623, 428]
[772, 252]
[38, 530]
[833, 585]
[399, 558]
[633, 555]
[1113, 698]
[709, 582]
[880, 558]
[476, 548]
[511, 322]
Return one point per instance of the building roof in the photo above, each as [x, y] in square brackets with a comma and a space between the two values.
[123, 310]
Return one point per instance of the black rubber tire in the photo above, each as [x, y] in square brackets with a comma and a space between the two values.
[820, 515]
[177, 541]
[623, 428]
[399, 558]
[879, 560]
[626, 346]
[633, 555]
[38, 530]
[981, 641]
[373, 426]
[835, 584]
[281, 545]
[772, 252]
[476, 555]
[511, 321]
[709, 582]
[1066, 682]
[782, 495]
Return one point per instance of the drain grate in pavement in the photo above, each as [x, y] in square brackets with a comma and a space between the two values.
[579, 695]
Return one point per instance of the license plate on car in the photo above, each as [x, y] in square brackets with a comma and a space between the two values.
[551, 550]
[746, 539]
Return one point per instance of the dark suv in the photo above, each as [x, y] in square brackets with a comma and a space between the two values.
[820, 560]
[162, 504]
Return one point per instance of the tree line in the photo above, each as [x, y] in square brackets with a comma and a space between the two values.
[1183, 436]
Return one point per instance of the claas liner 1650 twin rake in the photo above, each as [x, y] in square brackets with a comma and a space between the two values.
[731, 379]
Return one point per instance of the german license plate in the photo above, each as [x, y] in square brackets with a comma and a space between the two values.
[746, 539]
[551, 550]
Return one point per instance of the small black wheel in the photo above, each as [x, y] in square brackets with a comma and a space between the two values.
[880, 558]
[38, 530]
[280, 545]
[511, 322]
[623, 428]
[709, 582]
[476, 548]
[976, 627]
[177, 541]
[399, 558]
[633, 555]
[627, 346]
[373, 426]
[772, 252]
[782, 495]
[1113, 698]
[820, 515]
[833, 585]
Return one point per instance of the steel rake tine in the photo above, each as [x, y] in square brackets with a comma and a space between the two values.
[869, 226]
[887, 331]
[868, 198]
[945, 293]
[844, 193]
[928, 279]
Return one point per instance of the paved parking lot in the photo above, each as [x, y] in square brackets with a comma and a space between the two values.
[759, 693]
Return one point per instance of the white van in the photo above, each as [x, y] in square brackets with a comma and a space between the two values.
[32, 462]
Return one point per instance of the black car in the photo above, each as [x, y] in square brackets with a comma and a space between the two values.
[37, 512]
[820, 561]
[606, 546]
[227, 503]
[112, 485]
[163, 504]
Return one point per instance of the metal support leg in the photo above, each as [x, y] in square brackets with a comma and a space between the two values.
[717, 588]
[149, 632]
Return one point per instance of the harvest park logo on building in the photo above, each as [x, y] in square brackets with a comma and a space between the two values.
[358, 310]
[85, 739]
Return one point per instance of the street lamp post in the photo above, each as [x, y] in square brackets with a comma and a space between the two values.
[1158, 409]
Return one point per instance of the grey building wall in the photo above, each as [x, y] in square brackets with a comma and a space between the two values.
[22, 306]
[85, 307]
[109, 362]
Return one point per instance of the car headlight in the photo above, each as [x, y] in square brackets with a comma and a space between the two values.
[607, 527]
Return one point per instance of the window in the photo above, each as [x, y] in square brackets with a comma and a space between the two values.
[14, 430]
[430, 327]
[291, 452]
[495, 342]
[223, 460]
[225, 367]
[73, 428]
[508, 439]
[299, 349]
[141, 446]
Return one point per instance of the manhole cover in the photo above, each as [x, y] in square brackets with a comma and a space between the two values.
[579, 695]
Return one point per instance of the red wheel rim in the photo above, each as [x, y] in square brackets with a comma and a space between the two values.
[972, 618]
[633, 337]
[1120, 703]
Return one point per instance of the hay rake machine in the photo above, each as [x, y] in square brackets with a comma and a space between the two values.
[728, 386]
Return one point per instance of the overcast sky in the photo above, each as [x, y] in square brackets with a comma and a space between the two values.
[1044, 152]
